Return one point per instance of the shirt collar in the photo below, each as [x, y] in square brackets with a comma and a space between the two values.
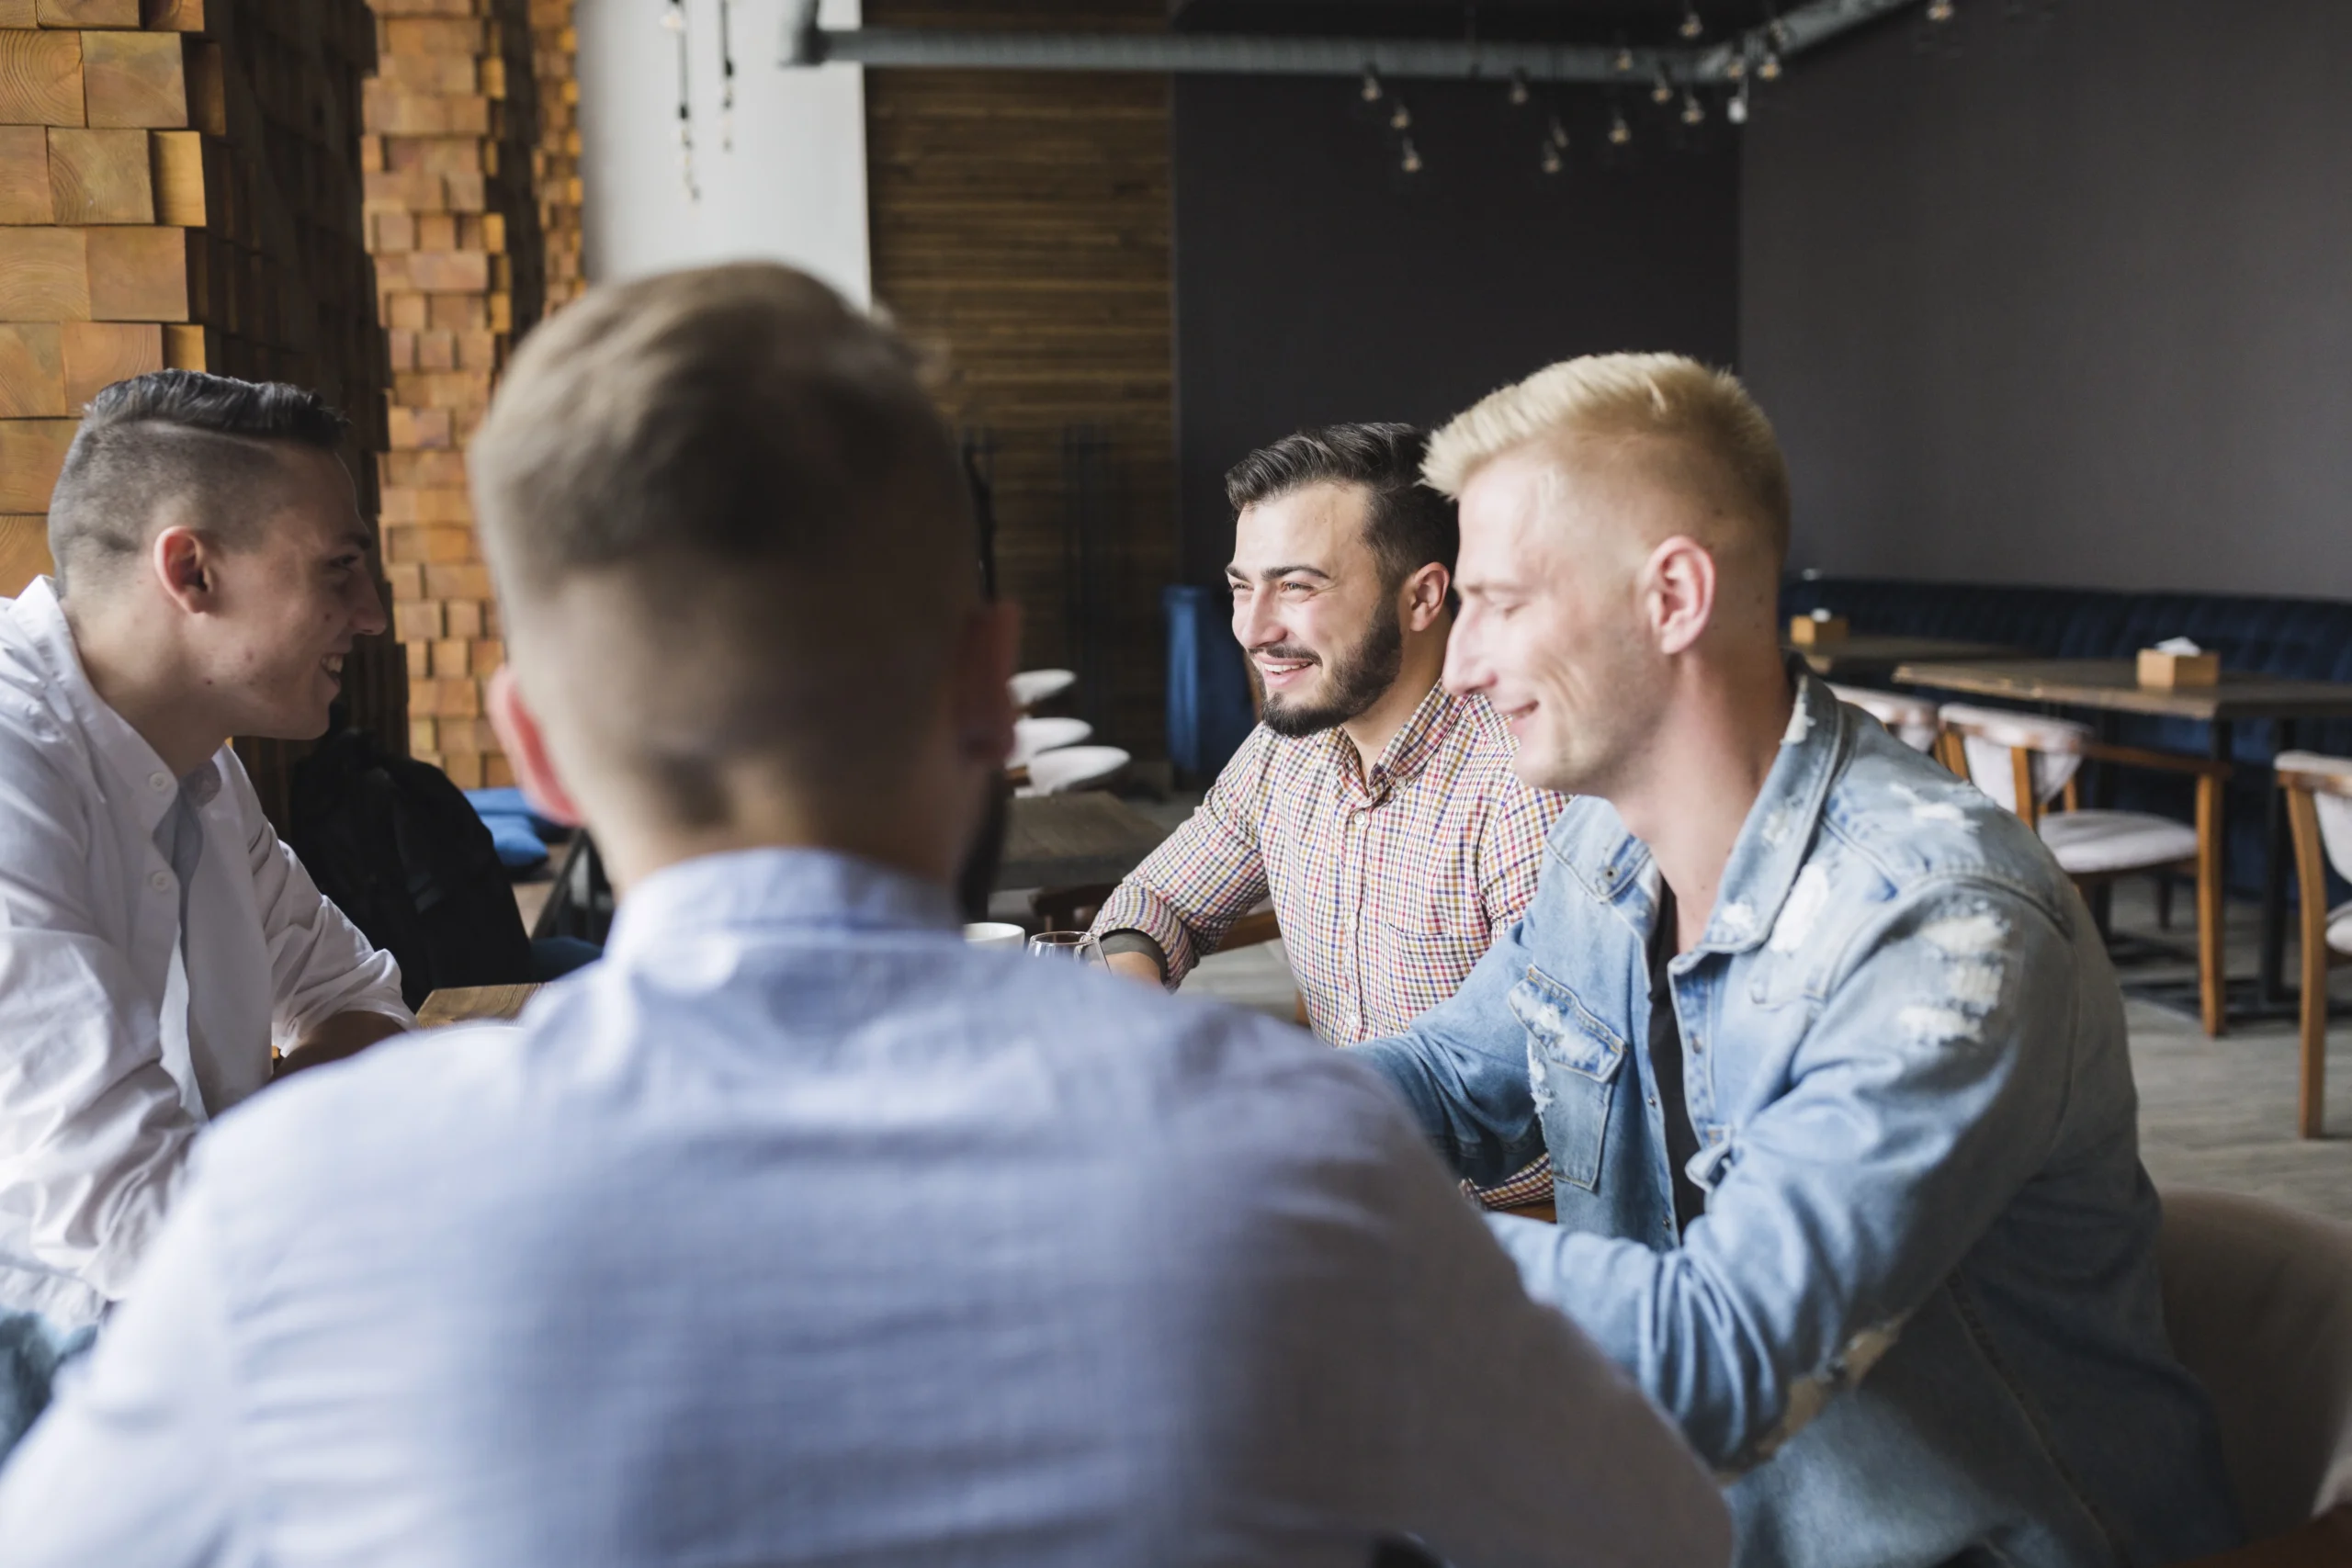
[1418, 739]
[148, 784]
[1615, 867]
[817, 889]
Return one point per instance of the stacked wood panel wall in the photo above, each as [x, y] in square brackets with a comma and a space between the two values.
[1019, 224]
[179, 186]
[452, 134]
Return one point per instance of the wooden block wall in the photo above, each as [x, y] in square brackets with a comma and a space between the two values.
[179, 186]
[1019, 226]
[555, 161]
[453, 219]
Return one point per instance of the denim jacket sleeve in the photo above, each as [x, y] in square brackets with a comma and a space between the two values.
[1462, 1067]
[1926, 1088]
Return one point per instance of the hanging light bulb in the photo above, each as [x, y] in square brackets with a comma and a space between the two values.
[1621, 61]
[1400, 117]
[1409, 158]
[1692, 26]
[1550, 159]
[727, 81]
[1555, 134]
[1693, 111]
[1940, 10]
[1661, 90]
[1619, 133]
[1735, 68]
[674, 20]
[1371, 88]
[1518, 91]
[1736, 110]
[1770, 66]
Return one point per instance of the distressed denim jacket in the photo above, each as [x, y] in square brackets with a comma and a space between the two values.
[1919, 1320]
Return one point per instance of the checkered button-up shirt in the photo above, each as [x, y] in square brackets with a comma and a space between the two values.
[1389, 883]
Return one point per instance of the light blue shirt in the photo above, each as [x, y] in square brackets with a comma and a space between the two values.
[795, 1231]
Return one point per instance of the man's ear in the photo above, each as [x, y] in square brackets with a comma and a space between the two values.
[1678, 586]
[1422, 596]
[518, 734]
[188, 567]
[983, 683]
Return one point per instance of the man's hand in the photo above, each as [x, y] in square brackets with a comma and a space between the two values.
[344, 1035]
[1134, 966]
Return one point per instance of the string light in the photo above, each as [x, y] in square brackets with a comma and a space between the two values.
[1622, 61]
[1372, 88]
[1556, 134]
[676, 22]
[727, 80]
[1736, 110]
[1549, 161]
[1693, 111]
[1692, 26]
[1518, 93]
[1735, 68]
[1409, 160]
[1770, 66]
[1940, 10]
[1400, 117]
[1619, 133]
[1662, 90]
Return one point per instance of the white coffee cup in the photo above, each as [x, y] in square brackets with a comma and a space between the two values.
[996, 933]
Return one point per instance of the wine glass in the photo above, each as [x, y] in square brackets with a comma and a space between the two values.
[1078, 946]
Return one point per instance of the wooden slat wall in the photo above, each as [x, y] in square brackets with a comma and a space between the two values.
[453, 218]
[180, 187]
[555, 160]
[1020, 227]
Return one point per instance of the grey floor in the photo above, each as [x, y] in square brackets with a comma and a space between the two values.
[2212, 1112]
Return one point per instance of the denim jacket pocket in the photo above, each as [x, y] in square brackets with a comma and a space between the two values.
[1572, 1062]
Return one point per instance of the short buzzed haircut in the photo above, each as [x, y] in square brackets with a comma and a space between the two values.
[1631, 395]
[744, 481]
[203, 441]
[1408, 524]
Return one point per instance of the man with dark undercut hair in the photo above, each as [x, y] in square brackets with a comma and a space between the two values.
[156, 939]
[1379, 812]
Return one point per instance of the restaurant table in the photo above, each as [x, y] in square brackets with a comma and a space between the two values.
[1862, 657]
[1063, 840]
[2112, 686]
[472, 1004]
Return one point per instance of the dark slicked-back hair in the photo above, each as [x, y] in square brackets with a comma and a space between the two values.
[183, 436]
[745, 477]
[1408, 524]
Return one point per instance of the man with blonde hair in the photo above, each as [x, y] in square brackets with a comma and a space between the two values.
[1824, 1047]
[797, 1231]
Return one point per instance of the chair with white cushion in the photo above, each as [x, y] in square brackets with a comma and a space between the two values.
[2319, 809]
[1911, 720]
[1032, 736]
[2025, 761]
[1073, 768]
[1031, 687]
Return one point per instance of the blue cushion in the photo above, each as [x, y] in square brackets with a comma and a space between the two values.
[509, 802]
[519, 848]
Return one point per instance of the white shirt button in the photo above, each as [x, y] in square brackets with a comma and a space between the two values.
[159, 780]
[160, 881]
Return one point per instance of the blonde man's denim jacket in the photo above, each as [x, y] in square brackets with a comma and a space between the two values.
[1919, 1320]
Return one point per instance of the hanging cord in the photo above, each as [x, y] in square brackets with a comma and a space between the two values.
[726, 79]
[676, 22]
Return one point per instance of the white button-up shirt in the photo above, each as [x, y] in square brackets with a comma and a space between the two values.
[797, 1231]
[119, 1037]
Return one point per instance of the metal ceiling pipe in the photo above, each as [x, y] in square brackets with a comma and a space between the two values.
[1804, 26]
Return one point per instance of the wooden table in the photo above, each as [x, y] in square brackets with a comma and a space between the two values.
[1063, 840]
[473, 1004]
[2112, 686]
[1863, 657]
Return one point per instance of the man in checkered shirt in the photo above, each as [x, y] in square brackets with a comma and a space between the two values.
[1379, 812]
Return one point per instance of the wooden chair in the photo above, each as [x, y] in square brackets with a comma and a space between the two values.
[1911, 720]
[2258, 1305]
[2025, 761]
[2319, 809]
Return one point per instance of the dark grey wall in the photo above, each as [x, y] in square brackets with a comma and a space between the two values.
[2072, 305]
[1314, 283]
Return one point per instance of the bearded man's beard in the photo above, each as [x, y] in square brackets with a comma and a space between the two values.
[1352, 682]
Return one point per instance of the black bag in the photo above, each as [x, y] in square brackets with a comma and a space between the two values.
[400, 850]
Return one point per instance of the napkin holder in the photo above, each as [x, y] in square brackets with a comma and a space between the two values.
[1813, 631]
[2164, 671]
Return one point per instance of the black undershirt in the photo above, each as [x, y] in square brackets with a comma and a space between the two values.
[1665, 1065]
